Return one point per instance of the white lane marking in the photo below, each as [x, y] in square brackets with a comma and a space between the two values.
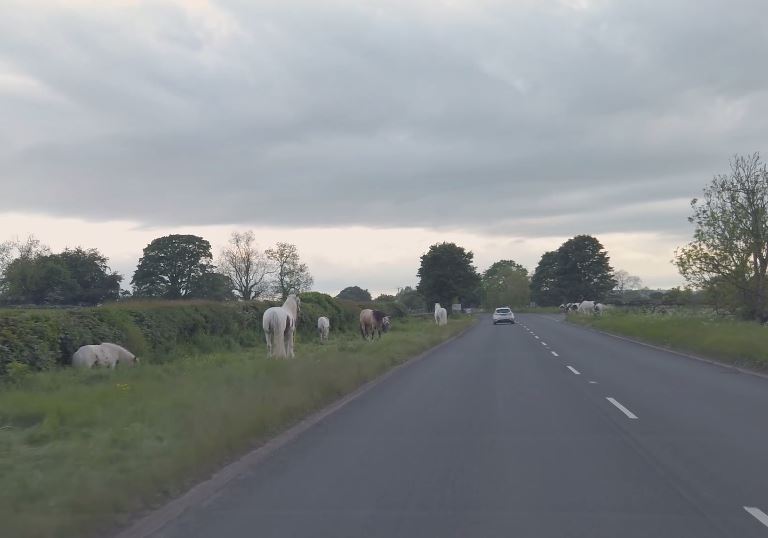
[758, 514]
[574, 370]
[621, 408]
[536, 337]
[555, 354]
[543, 343]
[593, 382]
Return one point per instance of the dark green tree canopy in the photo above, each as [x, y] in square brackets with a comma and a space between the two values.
[578, 270]
[447, 274]
[354, 293]
[73, 277]
[171, 266]
[505, 283]
[411, 299]
[385, 297]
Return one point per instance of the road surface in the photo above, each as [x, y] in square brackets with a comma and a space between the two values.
[541, 429]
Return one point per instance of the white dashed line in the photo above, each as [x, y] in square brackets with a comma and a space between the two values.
[543, 343]
[593, 382]
[536, 337]
[574, 370]
[621, 408]
[757, 514]
[555, 354]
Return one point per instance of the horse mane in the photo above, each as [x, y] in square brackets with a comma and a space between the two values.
[378, 315]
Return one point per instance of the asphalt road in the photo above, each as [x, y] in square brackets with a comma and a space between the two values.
[541, 429]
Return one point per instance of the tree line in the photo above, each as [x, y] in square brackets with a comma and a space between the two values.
[171, 267]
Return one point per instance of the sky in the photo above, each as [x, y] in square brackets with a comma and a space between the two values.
[366, 131]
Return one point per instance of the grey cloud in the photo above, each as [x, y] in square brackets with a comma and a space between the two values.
[317, 114]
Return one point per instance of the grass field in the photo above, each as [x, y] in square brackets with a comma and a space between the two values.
[81, 451]
[735, 342]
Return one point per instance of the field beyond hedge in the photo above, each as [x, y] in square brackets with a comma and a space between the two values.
[81, 451]
[741, 343]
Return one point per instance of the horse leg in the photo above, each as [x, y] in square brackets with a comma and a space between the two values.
[269, 343]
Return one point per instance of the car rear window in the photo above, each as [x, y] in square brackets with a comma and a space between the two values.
[503, 310]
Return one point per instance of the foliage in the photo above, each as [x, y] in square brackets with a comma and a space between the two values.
[354, 293]
[83, 448]
[411, 299]
[447, 274]
[505, 283]
[578, 270]
[154, 330]
[247, 268]
[171, 267]
[291, 276]
[730, 240]
[72, 277]
[384, 298]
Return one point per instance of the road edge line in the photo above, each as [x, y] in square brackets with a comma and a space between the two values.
[196, 495]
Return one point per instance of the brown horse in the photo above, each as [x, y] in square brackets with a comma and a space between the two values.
[373, 323]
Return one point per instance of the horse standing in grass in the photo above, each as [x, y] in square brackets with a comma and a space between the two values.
[279, 324]
[441, 315]
[105, 354]
[373, 323]
[323, 327]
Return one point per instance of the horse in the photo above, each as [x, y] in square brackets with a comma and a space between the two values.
[323, 326]
[587, 307]
[106, 354]
[441, 315]
[373, 323]
[279, 324]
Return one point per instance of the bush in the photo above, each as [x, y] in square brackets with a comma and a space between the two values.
[154, 330]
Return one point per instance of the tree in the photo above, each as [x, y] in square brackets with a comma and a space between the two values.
[17, 248]
[354, 293]
[291, 276]
[212, 286]
[576, 271]
[505, 283]
[729, 249]
[447, 274]
[247, 268]
[385, 298]
[411, 299]
[545, 288]
[625, 281]
[75, 276]
[171, 266]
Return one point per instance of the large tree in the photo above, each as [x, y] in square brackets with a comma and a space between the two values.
[447, 274]
[354, 293]
[505, 283]
[729, 251]
[410, 298]
[73, 277]
[171, 267]
[247, 268]
[626, 281]
[579, 270]
[291, 275]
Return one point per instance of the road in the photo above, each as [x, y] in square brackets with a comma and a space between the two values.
[541, 429]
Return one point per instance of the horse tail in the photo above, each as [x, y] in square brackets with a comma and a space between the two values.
[278, 335]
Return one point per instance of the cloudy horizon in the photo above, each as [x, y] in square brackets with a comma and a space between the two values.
[363, 132]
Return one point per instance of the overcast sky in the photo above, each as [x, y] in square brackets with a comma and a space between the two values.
[365, 131]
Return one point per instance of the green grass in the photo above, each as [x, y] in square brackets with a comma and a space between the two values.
[740, 343]
[81, 451]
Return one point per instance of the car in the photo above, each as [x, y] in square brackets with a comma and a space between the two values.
[503, 315]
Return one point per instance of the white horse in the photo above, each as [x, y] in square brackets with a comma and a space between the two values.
[279, 324]
[587, 307]
[600, 308]
[441, 315]
[323, 327]
[106, 354]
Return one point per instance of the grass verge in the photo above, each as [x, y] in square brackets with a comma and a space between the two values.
[741, 343]
[81, 451]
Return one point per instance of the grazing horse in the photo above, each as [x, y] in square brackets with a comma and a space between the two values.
[105, 354]
[441, 315]
[587, 307]
[373, 323]
[279, 324]
[323, 326]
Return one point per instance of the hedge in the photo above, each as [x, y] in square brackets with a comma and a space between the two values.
[43, 338]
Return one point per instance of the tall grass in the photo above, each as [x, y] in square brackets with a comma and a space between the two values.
[80, 451]
[740, 343]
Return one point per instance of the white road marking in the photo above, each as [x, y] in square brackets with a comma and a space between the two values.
[758, 514]
[621, 408]
[536, 337]
[593, 382]
[574, 370]
[543, 343]
[555, 354]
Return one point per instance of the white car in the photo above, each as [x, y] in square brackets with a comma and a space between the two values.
[503, 315]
